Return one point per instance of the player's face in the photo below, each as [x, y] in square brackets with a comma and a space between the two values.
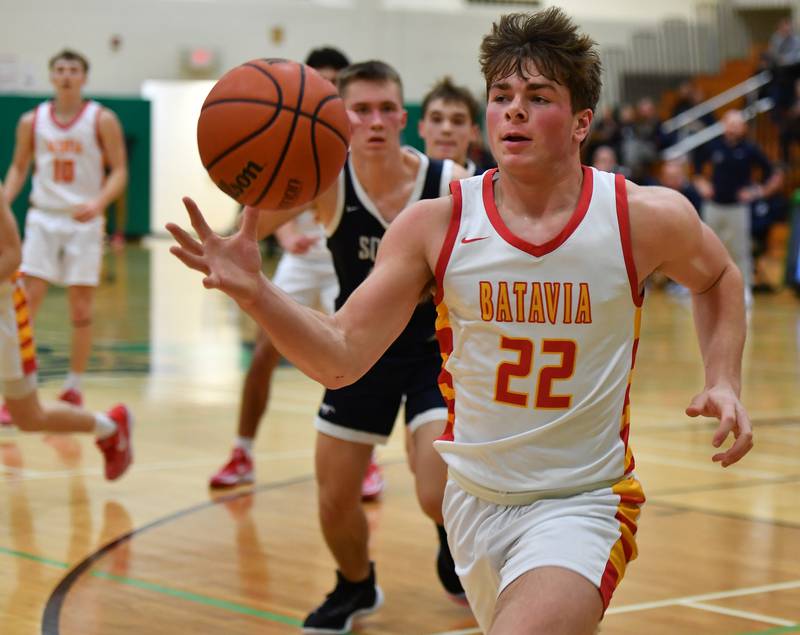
[530, 122]
[377, 116]
[67, 76]
[447, 130]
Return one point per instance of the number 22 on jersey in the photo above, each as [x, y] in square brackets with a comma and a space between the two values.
[543, 392]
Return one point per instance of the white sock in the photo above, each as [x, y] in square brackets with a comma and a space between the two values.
[245, 443]
[73, 381]
[104, 426]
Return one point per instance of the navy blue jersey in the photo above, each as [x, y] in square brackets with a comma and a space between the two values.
[356, 232]
[732, 167]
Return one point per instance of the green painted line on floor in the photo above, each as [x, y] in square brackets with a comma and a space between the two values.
[163, 590]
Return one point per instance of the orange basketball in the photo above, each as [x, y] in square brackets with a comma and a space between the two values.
[273, 134]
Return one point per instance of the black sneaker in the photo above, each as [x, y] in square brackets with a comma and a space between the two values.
[446, 569]
[342, 605]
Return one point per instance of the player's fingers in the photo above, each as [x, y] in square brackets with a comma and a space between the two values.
[196, 216]
[727, 422]
[184, 239]
[190, 260]
[697, 406]
[742, 445]
[249, 226]
[211, 281]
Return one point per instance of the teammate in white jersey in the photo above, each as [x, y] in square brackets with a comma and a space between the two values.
[449, 123]
[80, 167]
[18, 368]
[538, 332]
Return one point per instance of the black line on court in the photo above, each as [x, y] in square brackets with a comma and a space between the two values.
[52, 610]
[785, 524]
[716, 487]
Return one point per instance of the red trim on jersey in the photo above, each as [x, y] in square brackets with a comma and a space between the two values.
[514, 240]
[99, 139]
[33, 135]
[623, 219]
[71, 122]
[449, 240]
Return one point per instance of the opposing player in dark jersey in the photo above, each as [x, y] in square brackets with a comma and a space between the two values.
[305, 272]
[380, 179]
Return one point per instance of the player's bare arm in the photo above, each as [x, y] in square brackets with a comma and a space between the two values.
[113, 143]
[21, 160]
[334, 350]
[668, 236]
[10, 250]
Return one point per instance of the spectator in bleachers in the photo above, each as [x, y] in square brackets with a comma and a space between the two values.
[729, 192]
[605, 132]
[689, 96]
[783, 55]
[604, 158]
[675, 175]
[789, 126]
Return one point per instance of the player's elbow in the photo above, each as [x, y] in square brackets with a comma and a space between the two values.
[340, 374]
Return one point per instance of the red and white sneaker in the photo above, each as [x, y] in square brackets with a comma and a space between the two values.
[237, 471]
[73, 396]
[118, 449]
[372, 485]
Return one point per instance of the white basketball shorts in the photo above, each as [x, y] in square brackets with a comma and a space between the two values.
[592, 534]
[61, 250]
[309, 280]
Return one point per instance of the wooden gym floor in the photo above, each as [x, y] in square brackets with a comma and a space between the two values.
[157, 553]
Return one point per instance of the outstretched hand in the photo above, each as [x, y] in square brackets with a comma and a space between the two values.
[723, 404]
[230, 264]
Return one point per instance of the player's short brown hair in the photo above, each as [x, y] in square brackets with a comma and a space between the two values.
[70, 56]
[370, 71]
[549, 39]
[447, 91]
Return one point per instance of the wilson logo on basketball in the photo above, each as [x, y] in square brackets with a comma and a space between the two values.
[293, 188]
[243, 180]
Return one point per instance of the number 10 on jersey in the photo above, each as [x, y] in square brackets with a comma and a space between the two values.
[543, 391]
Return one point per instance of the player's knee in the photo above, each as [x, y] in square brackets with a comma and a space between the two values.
[430, 501]
[26, 418]
[336, 502]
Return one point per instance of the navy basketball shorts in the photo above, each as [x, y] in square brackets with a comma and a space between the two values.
[365, 411]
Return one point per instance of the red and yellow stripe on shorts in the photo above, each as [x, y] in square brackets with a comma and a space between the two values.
[631, 499]
[27, 347]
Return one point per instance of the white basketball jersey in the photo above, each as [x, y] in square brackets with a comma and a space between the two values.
[538, 342]
[68, 158]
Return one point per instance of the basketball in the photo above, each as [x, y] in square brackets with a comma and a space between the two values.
[273, 134]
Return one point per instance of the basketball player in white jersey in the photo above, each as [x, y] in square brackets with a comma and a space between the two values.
[539, 269]
[449, 123]
[73, 143]
[18, 368]
[305, 272]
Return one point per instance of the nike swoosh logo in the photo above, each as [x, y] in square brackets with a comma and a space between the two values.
[465, 241]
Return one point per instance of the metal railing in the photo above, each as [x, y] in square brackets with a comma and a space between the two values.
[746, 87]
[700, 137]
